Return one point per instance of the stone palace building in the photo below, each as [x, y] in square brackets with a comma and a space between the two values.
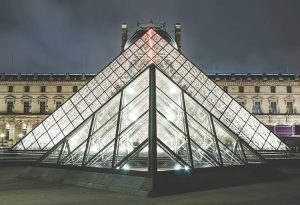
[26, 99]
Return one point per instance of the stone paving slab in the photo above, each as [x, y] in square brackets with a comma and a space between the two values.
[14, 191]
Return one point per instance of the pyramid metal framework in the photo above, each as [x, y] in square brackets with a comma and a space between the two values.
[70, 125]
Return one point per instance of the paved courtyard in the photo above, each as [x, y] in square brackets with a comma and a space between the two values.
[14, 191]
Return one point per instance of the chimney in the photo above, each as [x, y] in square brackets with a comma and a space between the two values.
[178, 35]
[124, 35]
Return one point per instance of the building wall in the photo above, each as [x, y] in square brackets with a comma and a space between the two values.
[15, 125]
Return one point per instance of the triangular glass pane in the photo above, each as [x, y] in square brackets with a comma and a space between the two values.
[34, 146]
[132, 137]
[228, 157]
[134, 110]
[197, 112]
[106, 112]
[251, 156]
[201, 158]
[240, 152]
[169, 88]
[139, 162]
[53, 156]
[65, 151]
[136, 87]
[228, 139]
[172, 137]
[78, 136]
[103, 159]
[76, 157]
[170, 110]
[165, 162]
[28, 140]
[102, 137]
[203, 138]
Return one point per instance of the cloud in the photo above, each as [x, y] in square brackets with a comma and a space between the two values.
[221, 36]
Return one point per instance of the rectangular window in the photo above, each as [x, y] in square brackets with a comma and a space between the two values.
[58, 104]
[241, 89]
[42, 107]
[289, 89]
[27, 89]
[58, 89]
[7, 134]
[289, 107]
[256, 89]
[273, 108]
[10, 89]
[75, 88]
[43, 89]
[257, 108]
[26, 107]
[273, 89]
[10, 107]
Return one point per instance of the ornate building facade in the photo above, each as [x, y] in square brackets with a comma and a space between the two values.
[26, 99]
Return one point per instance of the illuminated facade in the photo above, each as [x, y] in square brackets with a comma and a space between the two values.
[26, 99]
[279, 110]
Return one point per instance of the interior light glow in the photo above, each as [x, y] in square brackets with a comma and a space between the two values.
[186, 168]
[170, 114]
[130, 90]
[132, 116]
[126, 167]
[177, 167]
[94, 149]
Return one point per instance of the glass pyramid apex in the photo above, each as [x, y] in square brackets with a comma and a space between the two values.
[149, 49]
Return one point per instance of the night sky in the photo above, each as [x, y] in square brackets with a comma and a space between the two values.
[220, 36]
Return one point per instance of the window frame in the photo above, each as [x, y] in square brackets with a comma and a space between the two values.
[59, 89]
[43, 88]
[26, 89]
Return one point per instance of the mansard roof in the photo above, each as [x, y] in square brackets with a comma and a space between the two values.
[88, 76]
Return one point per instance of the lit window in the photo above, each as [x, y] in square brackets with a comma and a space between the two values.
[257, 108]
[42, 107]
[75, 88]
[26, 107]
[241, 89]
[43, 89]
[273, 89]
[27, 89]
[289, 107]
[289, 89]
[10, 107]
[10, 88]
[256, 89]
[273, 108]
[58, 89]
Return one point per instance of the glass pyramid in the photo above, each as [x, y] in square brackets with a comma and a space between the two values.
[98, 103]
